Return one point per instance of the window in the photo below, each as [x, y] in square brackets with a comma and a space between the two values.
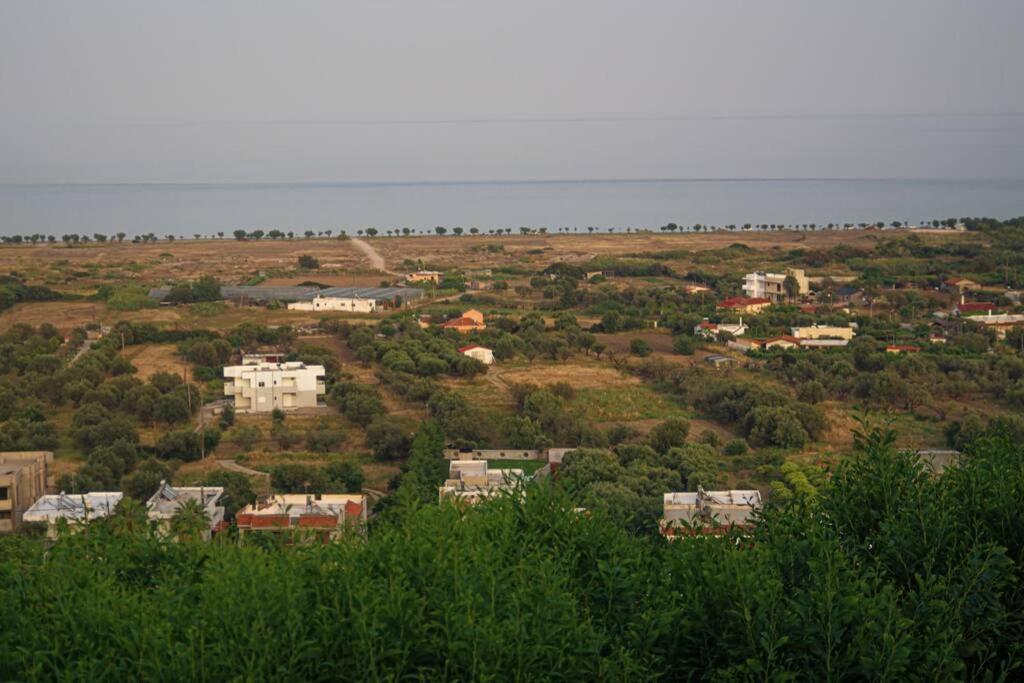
[5, 514]
[261, 384]
[3, 493]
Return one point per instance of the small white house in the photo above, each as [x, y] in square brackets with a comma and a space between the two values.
[335, 303]
[480, 353]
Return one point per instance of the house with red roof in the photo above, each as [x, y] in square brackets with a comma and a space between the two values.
[477, 352]
[744, 304]
[470, 321]
[321, 516]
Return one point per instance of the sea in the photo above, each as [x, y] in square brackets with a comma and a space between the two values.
[185, 210]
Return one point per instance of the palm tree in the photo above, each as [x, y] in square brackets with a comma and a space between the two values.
[190, 522]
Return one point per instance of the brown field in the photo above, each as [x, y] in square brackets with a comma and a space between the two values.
[150, 359]
[579, 373]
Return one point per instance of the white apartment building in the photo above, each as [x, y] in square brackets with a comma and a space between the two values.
[717, 510]
[762, 285]
[335, 303]
[265, 386]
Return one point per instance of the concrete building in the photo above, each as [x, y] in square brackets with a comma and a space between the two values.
[22, 482]
[470, 481]
[265, 386]
[434, 276]
[823, 332]
[76, 509]
[708, 512]
[710, 330]
[323, 515]
[480, 353]
[335, 303]
[166, 502]
[762, 285]
[782, 342]
[1001, 323]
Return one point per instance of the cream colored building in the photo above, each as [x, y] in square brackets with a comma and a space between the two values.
[434, 276]
[265, 386]
[22, 482]
[335, 303]
[762, 285]
[823, 332]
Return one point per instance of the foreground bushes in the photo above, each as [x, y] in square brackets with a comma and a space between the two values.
[887, 575]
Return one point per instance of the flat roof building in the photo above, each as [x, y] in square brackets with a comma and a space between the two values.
[772, 285]
[263, 387]
[470, 481]
[75, 509]
[165, 503]
[709, 511]
[22, 481]
[324, 515]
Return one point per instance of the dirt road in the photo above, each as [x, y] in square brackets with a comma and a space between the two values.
[376, 260]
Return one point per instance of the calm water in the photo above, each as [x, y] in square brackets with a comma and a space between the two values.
[208, 208]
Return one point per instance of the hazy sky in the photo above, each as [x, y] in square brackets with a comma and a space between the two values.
[200, 90]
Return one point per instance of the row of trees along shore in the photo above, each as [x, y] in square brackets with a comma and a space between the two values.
[71, 239]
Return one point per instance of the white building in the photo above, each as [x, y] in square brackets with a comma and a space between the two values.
[335, 303]
[470, 481]
[762, 285]
[480, 353]
[166, 502]
[75, 509]
[715, 510]
[710, 330]
[265, 386]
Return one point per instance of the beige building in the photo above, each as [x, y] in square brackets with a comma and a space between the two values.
[434, 276]
[710, 511]
[823, 332]
[470, 481]
[75, 509]
[323, 515]
[22, 482]
[470, 321]
[262, 387]
[761, 285]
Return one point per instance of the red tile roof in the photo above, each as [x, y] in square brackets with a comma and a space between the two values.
[784, 337]
[903, 347]
[462, 322]
[270, 521]
[468, 348]
[353, 509]
[708, 326]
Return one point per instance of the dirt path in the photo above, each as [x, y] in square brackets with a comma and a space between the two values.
[235, 467]
[376, 260]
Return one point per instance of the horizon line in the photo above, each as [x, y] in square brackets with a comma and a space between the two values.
[240, 184]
